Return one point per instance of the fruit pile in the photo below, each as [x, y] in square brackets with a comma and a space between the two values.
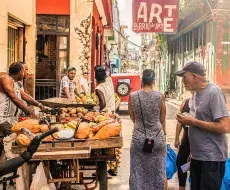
[86, 99]
[98, 116]
[98, 126]
[67, 113]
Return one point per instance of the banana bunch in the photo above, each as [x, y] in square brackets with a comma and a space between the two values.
[70, 125]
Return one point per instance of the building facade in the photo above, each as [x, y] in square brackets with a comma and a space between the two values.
[69, 33]
[203, 36]
[17, 36]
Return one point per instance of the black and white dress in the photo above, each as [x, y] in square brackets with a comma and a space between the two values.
[147, 170]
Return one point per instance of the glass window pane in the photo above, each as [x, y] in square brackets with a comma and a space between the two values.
[46, 23]
[63, 24]
[63, 61]
[63, 41]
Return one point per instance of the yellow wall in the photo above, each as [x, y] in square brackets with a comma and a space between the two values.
[22, 10]
[3, 36]
[80, 10]
[25, 12]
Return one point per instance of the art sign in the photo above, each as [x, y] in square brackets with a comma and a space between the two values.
[160, 16]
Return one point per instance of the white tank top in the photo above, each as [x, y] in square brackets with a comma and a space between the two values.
[108, 91]
[8, 110]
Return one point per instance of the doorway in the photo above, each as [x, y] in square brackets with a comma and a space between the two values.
[52, 54]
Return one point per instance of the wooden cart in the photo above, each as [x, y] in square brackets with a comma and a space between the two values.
[75, 156]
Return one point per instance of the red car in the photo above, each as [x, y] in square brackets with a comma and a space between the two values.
[125, 83]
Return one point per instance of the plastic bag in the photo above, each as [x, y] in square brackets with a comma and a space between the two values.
[40, 180]
[170, 162]
[226, 179]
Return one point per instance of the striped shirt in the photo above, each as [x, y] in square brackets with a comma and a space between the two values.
[65, 82]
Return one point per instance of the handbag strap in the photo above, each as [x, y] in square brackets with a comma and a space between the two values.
[141, 113]
[143, 117]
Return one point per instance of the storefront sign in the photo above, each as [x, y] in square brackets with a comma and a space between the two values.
[155, 16]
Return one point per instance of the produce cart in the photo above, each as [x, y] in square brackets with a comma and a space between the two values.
[76, 156]
[66, 162]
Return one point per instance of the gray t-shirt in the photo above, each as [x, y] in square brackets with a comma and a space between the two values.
[208, 105]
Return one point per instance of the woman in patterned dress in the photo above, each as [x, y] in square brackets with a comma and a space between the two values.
[147, 170]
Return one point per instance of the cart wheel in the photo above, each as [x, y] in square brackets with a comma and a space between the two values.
[102, 166]
[123, 89]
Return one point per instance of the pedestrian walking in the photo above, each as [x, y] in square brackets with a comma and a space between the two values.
[208, 123]
[183, 145]
[148, 147]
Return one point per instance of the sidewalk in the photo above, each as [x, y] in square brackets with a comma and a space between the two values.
[173, 102]
[176, 103]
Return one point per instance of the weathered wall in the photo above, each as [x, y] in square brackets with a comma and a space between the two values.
[80, 35]
[3, 36]
[23, 11]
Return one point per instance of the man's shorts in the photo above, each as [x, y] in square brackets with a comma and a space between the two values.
[206, 175]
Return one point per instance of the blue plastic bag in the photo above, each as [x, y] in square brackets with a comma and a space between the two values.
[171, 167]
[226, 179]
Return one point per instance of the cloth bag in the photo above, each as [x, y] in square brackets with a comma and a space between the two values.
[170, 162]
[40, 181]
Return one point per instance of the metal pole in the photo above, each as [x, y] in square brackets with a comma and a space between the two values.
[210, 7]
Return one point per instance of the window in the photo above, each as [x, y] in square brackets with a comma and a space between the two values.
[12, 47]
[124, 80]
[53, 23]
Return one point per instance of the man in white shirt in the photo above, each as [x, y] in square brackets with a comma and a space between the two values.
[104, 90]
[84, 85]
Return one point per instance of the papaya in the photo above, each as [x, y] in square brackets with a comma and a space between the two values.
[22, 140]
[44, 128]
[110, 130]
[31, 124]
[83, 131]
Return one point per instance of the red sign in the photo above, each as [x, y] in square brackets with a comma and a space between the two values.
[155, 16]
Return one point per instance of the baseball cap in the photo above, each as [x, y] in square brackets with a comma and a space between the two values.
[193, 67]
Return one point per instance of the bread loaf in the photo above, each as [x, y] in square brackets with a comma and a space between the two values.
[83, 131]
[110, 130]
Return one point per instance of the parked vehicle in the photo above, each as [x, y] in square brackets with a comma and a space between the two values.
[125, 83]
